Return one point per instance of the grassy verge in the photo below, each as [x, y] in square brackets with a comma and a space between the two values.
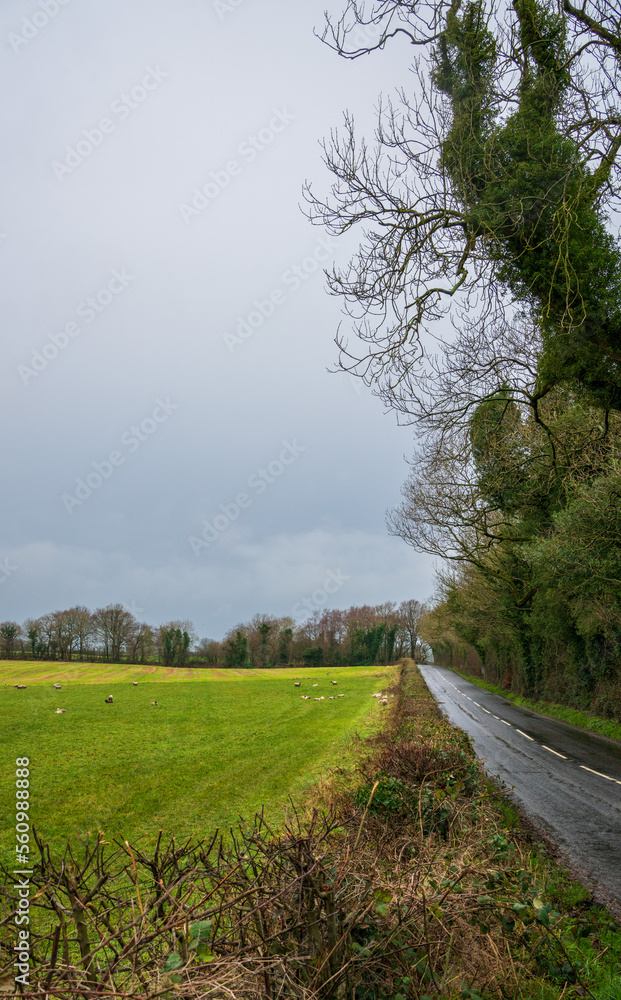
[574, 716]
[507, 920]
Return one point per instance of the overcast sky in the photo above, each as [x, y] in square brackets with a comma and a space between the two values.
[172, 437]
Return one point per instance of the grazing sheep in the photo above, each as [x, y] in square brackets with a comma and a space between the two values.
[135, 683]
[59, 711]
[321, 699]
[316, 699]
[22, 687]
[340, 696]
[154, 703]
[331, 698]
[57, 686]
[334, 682]
[109, 700]
[305, 697]
[298, 684]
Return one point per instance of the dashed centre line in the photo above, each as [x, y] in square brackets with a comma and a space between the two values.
[583, 767]
[599, 774]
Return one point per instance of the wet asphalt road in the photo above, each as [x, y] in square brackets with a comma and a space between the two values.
[566, 780]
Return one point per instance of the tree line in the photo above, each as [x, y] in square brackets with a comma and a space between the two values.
[488, 198]
[359, 635]
[112, 634]
[383, 633]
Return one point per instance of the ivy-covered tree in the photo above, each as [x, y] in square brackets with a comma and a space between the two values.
[9, 634]
[492, 185]
[236, 650]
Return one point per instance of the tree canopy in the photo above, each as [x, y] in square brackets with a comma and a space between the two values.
[492, 185]
[490, 197]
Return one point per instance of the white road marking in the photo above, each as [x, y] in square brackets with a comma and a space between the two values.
[599, 773]
[549, 749]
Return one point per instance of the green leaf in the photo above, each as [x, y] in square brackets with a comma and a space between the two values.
[205, 953]
[382, 896]
[199, 931]
[173, 961]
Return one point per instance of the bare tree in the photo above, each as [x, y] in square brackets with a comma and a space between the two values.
[47, 633]
[211, 651]
[113, 626]
[140, 643]
[492, 182]
[82, 624]
[410, 614]
[64, 635]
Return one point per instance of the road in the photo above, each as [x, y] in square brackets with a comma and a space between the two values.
[567, 781]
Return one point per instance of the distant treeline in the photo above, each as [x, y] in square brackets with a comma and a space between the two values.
[380, 634]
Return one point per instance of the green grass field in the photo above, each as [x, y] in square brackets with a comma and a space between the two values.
[219, 743]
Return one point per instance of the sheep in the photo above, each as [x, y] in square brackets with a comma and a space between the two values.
[305, 697]
[154, 703]
[109, 700]
[384, 701]
[21, 687]
[298, 684]
[331, 698]
[316, 699]
[56, 686]
[340, 696]
[334, 683]
[59, 711]
[135, 683]
[315, 685]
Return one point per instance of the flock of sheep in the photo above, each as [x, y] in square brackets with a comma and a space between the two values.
[305, 697]
[57, 687]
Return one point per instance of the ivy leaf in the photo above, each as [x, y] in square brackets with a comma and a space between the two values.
[205, 953]
[173, 961]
